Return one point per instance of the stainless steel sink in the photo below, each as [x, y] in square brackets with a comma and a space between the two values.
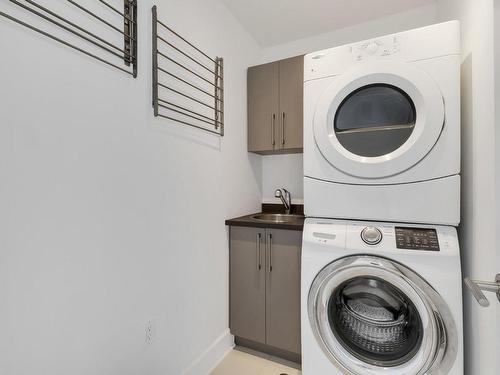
[279, 218]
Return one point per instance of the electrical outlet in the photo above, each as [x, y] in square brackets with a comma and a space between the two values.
[149, 332]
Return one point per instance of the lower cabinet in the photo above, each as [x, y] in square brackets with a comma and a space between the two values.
[265, 286]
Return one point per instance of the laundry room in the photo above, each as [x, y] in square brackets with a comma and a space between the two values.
[249, 187]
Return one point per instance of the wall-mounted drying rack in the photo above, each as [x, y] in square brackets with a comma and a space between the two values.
[109, 49]
[188, 86]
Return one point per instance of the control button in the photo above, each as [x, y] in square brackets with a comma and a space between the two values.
[371, 235]
[372, 48]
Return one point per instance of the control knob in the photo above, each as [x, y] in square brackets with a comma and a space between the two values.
[372, 48]
[371, 235]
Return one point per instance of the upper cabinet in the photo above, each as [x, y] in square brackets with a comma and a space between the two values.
[263, 107]
[275, 106]
[291, 77]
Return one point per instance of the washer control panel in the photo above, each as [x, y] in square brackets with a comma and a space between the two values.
[371, 235]
[411, 238]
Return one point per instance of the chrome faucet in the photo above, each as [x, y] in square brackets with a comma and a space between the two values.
[284, 195]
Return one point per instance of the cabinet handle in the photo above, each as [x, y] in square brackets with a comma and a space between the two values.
[283, 128]
[259, 265]
[273, 121]
[270, 242]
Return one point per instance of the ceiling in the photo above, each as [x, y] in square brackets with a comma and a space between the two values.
[273, 22]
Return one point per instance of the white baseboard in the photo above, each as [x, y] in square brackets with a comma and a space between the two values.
[212, 356]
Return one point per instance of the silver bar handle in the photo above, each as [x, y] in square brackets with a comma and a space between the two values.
[258, 250]
[273, 120]
[270, 244]
[477, 287]
[283, 128]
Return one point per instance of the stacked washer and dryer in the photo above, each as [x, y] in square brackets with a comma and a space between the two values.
[381, 275]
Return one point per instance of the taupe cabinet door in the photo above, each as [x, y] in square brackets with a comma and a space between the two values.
[275, 106]
[263, 107]
[265, 286]
[291, 81]
[283, 289]
[247, 283]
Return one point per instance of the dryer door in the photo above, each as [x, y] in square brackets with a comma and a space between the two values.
[379, 119]
[374, 316]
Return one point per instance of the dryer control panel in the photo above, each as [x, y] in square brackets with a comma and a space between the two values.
[412, 238]
[381, 47]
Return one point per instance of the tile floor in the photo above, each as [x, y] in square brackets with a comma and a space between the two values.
[240, 363]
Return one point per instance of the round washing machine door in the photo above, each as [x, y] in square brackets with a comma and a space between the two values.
[379, 119]
[374, 316]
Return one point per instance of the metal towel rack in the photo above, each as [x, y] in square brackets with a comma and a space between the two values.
[190, 81]
[129, 51]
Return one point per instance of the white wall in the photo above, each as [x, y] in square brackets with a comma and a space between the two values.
[497, 149]
[282, 171]
[478, 237]
[287, 170]
[109, 217]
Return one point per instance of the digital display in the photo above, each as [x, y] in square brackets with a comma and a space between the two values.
[417, 239]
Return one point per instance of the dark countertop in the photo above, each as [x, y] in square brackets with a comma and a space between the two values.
[248, 221]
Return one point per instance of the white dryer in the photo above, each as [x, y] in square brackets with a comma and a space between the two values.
[380, 298]
[382, 128]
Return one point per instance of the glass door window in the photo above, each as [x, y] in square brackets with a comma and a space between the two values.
[375, 321]
[375, 120]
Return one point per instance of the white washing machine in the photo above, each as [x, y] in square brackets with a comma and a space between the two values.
[382, 128]
[380, 298]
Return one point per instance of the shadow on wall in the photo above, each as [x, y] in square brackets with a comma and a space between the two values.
[257, 169]
[187, 133]
[467, 191]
